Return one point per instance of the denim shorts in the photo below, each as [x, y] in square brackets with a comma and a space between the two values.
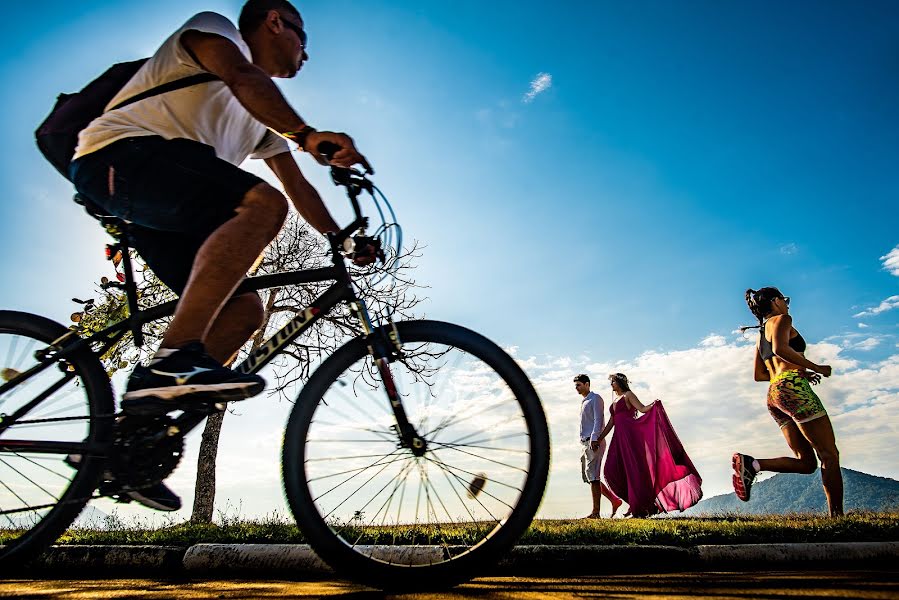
[174, 192]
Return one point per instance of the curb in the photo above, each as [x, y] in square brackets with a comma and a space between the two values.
[236, 560]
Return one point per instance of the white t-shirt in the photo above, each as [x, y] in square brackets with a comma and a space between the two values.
[206, 112]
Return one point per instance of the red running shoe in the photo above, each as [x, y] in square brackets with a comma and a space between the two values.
[744, 475]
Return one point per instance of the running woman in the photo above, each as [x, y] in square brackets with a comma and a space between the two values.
[780, 359]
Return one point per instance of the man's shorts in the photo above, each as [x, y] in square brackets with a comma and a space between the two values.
[175, 193]
[591, 462]
[791, 399]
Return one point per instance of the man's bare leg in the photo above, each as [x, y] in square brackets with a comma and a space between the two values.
[235, 324]
[223, 260]
[596, 493]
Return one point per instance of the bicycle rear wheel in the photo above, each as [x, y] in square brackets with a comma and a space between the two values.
[40, 494]
[383, 516]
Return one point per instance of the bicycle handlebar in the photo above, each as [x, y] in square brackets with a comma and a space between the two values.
[355, 183]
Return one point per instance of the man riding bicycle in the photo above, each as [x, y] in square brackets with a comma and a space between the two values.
[169, 165]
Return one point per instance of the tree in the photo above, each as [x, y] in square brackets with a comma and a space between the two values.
[297, 247]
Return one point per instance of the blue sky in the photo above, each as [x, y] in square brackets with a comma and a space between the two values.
[676, 154]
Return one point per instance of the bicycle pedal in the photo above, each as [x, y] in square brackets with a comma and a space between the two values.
[111, 489]
[155, 407]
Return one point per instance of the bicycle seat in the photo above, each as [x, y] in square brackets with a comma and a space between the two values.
[111, 223]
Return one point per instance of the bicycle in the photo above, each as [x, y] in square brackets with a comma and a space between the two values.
[414, 456]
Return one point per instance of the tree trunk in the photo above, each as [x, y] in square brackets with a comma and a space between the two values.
[204, 490]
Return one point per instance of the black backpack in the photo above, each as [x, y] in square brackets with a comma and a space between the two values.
[57, 136]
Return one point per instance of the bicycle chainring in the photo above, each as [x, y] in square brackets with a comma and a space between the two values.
[146, 450]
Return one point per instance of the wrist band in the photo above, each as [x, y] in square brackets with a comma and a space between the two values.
[299, 137]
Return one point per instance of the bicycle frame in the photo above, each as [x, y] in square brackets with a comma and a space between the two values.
[383, 349]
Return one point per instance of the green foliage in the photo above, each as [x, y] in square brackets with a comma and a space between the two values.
[111, 306]
[676, 531]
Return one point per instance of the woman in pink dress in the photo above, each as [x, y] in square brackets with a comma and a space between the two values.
[646, 465]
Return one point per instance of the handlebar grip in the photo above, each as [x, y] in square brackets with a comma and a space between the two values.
[328, 149]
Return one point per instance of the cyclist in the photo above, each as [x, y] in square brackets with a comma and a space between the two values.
[169, 165]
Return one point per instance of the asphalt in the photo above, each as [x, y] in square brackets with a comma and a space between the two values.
[292, 560]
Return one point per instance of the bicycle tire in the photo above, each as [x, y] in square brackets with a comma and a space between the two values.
[87, 474]
[379, 572]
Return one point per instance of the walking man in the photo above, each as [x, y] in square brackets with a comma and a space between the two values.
[592, 423]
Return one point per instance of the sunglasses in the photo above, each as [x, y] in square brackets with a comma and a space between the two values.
[297, 30]
[786, 300]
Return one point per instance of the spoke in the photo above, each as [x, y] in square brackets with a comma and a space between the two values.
[44, 467]
[399, 482]
[446, 474]
[461, 470]
[448, 445]
[30, 480]
[399, 506]
[455, 449]
[11, 351]
[360, 487]
[80, 404]
[330, 458]
[372, 465]
[345, 472]
[372, 499]
[347, 419]
[452, 469]
[493, 439]
[427, 483]
[430, 395]
[347, 441]
[11, 491]
[447, 421]
[381, 432]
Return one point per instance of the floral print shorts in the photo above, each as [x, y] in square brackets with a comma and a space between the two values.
[790, 398]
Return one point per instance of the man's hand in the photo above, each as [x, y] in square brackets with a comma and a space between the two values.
[367, 251]
[825, 370]
[346, 157]
[594, 445]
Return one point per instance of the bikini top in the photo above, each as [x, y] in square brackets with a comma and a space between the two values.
[766, 350]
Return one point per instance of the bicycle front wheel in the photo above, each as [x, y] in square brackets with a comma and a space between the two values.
[66, 411]
[380, 514]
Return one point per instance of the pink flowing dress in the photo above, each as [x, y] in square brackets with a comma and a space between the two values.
[647, 466]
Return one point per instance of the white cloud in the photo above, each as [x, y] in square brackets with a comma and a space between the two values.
[867, 344]
[788, 249]
[863, 325]
[541, 83]
[713, 341]
[891, 261]
[888, 304]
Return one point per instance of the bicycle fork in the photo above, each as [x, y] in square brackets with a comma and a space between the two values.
[385, 347]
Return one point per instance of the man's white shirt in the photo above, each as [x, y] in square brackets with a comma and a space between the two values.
[592, 416]
[207, 113]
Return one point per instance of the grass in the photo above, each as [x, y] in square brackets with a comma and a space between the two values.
[677, 531]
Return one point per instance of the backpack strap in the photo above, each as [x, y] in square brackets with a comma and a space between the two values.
[171, 86]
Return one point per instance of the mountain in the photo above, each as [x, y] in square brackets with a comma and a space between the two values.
[795, 493]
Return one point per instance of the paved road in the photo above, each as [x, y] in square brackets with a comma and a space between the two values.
[767, 585]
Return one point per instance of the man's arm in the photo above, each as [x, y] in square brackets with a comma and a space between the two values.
[255, 90]
[304, 197]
